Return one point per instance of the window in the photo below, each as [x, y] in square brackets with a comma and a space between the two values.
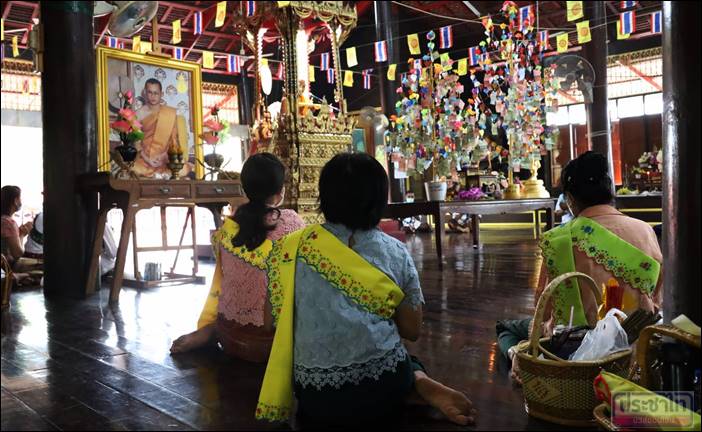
[653, 103]
[576, 114]
[612, 107]
[558, 118]
[630, 107]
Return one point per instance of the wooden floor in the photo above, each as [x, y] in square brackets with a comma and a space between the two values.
[84, 365]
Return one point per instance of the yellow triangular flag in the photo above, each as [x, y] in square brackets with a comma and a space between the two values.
[146, 47]
[208, 60]
[562, 42]
[221, 13]
[351, 57]
[413, 42]
[176, 32]
[462, 66]
[621, 35]
[583, 32]
[575, 10]
[2, 29]
[136, 44]
[283, 4]
[310, 72]
[348, 79]
[15, 48]
[391, 72]
[264, 62]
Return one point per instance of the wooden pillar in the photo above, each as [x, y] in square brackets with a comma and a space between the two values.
[595, 51]
[70, 146]
[681, 158]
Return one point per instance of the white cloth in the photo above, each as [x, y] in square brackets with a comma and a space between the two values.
[567, 216]
[109, 251]
[30, 245]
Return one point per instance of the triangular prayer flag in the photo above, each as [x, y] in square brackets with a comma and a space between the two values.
[627, 22]
[348, 79]
[351, 57]
[656, 22]
[562, 42]
[146, 47]
[445, 37]
[584, 35]
[413, 42]
[462, 66]
[136, 44]
[197, 29]
[391, 72]
[621, 35]
[208, 59]
[176, 32]
[380, 49]
[15, 47]
[221, 13]
[575, 10]
[310, 73]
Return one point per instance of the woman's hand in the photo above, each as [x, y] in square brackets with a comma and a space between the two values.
[26, 228]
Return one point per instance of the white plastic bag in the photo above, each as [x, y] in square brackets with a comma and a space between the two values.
[608, 337]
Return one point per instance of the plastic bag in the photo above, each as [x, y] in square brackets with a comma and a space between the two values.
[606, 338]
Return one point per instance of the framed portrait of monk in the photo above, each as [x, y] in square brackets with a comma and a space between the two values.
[167, 100]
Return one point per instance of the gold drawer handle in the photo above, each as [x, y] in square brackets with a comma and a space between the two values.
[165, 189]
[219, 189]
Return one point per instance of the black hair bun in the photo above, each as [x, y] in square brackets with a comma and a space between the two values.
[593, 166]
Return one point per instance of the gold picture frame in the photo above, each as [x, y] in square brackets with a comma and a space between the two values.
[180, 84]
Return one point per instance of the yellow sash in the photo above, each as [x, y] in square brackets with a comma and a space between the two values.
[257, 258]
[345, 270]
[164, 126]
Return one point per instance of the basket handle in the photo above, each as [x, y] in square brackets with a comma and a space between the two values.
[535, 334]
[642, 346]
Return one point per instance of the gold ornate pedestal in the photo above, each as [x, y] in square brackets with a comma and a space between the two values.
[513, 191]
[534, 188]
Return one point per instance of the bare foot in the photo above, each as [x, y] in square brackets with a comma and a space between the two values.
[514, 373]
[194, 340]
[452, 403]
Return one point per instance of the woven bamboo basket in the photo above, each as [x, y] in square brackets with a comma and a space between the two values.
[557, 390]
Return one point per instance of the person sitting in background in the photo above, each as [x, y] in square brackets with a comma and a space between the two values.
[34, 246]
[562, 210]
[343, 295]
[600, 242]
[12, 235]
[237, 312]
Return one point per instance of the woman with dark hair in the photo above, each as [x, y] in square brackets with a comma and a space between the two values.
[344, 294]
[12, 235]
[601, 242]
[237, 312]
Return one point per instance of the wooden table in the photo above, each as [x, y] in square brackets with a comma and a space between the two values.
[475, 208]
[133, 195]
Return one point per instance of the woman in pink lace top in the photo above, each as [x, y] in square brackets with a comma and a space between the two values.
[237, 311]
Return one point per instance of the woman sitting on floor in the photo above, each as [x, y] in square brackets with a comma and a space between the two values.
[12, 236]
[343, 295]
[237, 311]
[600, 242]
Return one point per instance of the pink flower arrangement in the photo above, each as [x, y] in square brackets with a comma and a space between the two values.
[127, 125]
[472, 194]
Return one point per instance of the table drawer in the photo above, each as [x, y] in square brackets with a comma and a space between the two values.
[165, 190]
[215, 190]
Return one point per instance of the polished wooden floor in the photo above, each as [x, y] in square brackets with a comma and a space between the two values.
[86, 366]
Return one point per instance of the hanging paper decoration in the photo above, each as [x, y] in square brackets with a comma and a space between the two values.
[583, 28]
[112, 42]
[474, 55]
[208, 59]
[283, 4]
[367, 79]
[233, 64]
[310, 73]
[348, 79]
[178, 53]
[15, 47]
[445, 37]
[176, 32]
[462, 67]
[627, 4]
[417, 66]
[446, 62]
[351, 57]
[330, 76]
[575, 10]
[250, 8]
[221, 13]
[627, 22]
[526, 17]
[324, 61]
[391, 72]
[543, 40]
[198, 23]
[413, 43]
[656, 23]
[136, 44]
[621, 35]
[381, 51]
[562, 42]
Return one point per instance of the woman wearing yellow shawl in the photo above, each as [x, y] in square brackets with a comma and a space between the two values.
[344, 294]
[237, 310]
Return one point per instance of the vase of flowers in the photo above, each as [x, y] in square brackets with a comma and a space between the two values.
[215, 131]
[129, 129]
